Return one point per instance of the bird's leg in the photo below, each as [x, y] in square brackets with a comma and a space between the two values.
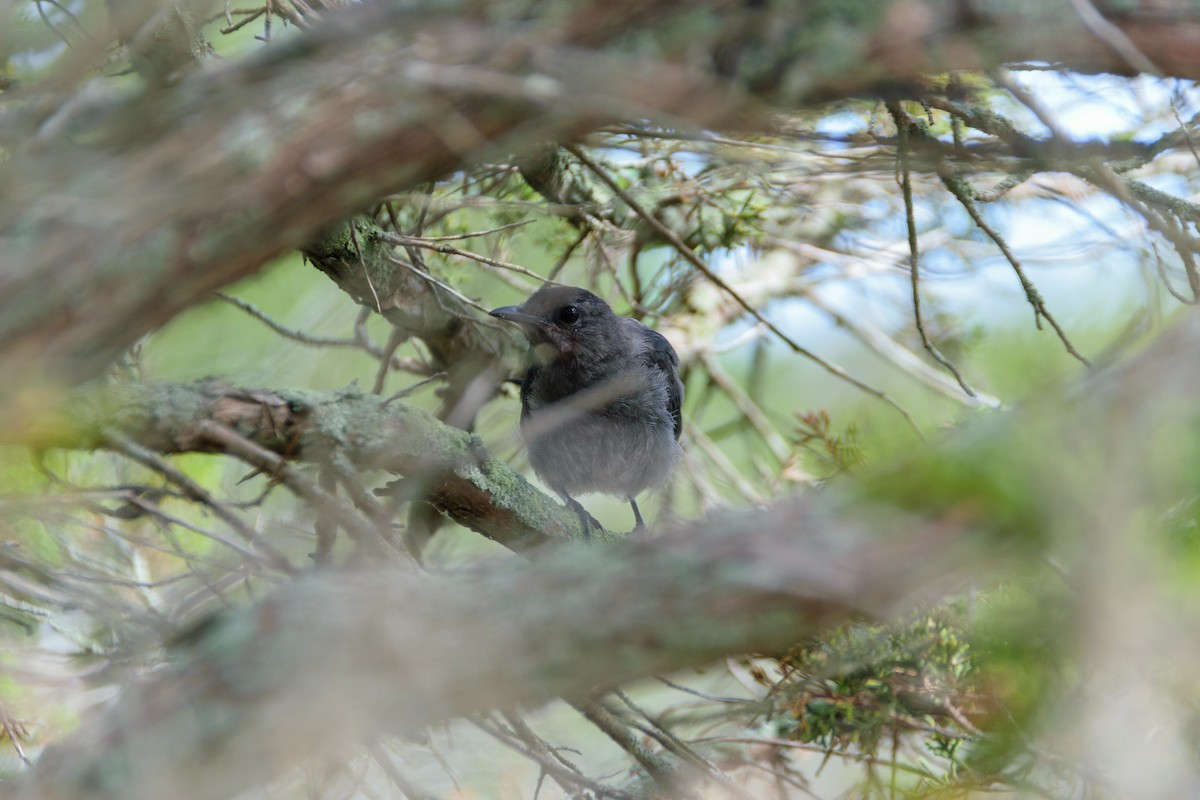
[586, 520]
[639, 525]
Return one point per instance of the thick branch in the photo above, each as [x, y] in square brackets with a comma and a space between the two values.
[453, 470]
[153, 215]
[473, 351]
[147, 203]
[333, 659]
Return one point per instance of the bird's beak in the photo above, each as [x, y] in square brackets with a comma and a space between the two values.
[515, 314]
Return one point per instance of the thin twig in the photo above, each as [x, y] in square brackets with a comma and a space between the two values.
[394, 775]
[901, 357]
[358, 248]
[962, 191]
[251, 16]
[360, 341]
[702, 695]
[165, 521]
[475, 234]
[425, 276]
[750, 409]
[722, 462]
[408, 390]
[1140, 198]
[395, 339]
[667, 738]
[131, 449]
[1166, 281]
[70, 16]
[440, 246]
[903, 124]
[258, 456]
[531, 746]
[364, 500]
[282, 330]
[698, 263]
[521, 728]
[1003, 186]
[655, 765]
[552, 275]
[1185, 131]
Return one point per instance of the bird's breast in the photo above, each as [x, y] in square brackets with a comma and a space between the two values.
[614, 436]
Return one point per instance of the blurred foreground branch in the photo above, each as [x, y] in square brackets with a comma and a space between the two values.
[334, 659]
[277, 147]
[150, 214]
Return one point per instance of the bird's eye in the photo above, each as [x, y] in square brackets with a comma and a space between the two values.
[568, 315]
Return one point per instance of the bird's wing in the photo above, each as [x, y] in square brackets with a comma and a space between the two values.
[660, 355]
[526, 386]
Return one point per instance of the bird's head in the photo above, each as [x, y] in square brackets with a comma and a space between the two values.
[567, 323]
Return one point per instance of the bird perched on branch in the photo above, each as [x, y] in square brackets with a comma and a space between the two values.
[600, 402]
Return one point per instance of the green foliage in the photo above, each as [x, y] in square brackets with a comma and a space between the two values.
[1021, 640]
[942, 699]
[832, 453]
[987, 481]
[1182, 528]
[863, 685]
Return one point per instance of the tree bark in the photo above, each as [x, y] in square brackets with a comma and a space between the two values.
[454, 471]
[146, 203]
[334, 659]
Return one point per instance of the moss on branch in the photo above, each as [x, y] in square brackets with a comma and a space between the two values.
[446, 465]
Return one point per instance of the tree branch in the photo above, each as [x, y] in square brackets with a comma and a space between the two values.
[332, 658]
[149, 215]
[153, 215]
[466, 345]
[454, 471]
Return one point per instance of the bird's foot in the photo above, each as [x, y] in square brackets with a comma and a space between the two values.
[639, 524]
[586, 520]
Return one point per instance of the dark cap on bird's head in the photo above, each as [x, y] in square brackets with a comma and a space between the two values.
[564, 317]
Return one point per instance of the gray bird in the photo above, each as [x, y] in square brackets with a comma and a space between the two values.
[600, 403]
